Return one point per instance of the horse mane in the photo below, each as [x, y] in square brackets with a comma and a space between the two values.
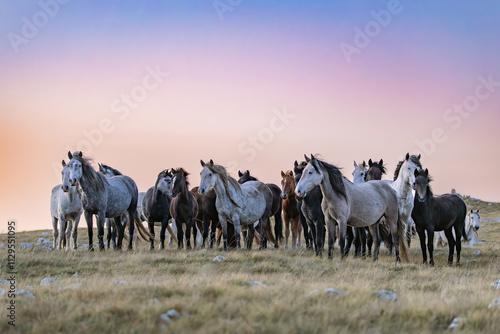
[96, 180]
[225, 177]
[413, 158]
[163, 173]
[183, 173]
[115, 171]
[335, 176]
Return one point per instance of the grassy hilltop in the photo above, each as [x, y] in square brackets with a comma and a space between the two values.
[129, 291]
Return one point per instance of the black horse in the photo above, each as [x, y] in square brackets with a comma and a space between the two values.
[276, 206]
[156, 206]
[441, 213]
[311, 214]
[208, 215]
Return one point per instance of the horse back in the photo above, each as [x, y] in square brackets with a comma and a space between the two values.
[448, 210]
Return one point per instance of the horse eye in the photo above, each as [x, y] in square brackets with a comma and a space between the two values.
[310, 172]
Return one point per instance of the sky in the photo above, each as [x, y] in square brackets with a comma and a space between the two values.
[145, 86]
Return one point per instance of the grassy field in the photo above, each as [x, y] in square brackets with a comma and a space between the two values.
[127, 292]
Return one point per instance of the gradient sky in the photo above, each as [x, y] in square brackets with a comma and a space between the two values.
[226, 77]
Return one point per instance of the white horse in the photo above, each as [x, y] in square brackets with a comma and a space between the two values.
[65, 207]
[356, 205]
[471, 227]
[358, 175]
[240, 204]
[404, 177]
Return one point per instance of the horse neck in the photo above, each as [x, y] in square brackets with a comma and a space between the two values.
[402, 184]
[185, 193]
[468, 223]
[326, 189]
[71, 193]
[220, 189]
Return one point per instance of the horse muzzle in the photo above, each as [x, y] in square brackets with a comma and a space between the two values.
[65, 188]
[284, 196]
[475, 228]
[201, 191]
[421, 198]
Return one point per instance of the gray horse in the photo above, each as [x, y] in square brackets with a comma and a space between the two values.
[240, 204]
[104, 197]
[356, 205]
[65, 207]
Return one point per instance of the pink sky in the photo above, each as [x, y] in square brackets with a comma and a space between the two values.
[227, 80]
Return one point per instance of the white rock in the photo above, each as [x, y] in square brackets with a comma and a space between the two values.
[3, 292]
[48, 281]
[495, 303]
[335, 292]
[173, 314]
[457, 322]
[387, 295]
[24, 293]
[257, 283]
[476, 253]
[25, 246]
[119, 282]
[75, 274]
[496, 284]
[3, 281]
[315, 291]
[165, 318]
[219, 258]
[43, 241]
[3, 245]
[45, 233]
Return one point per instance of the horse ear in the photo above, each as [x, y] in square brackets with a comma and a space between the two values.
[364, 164]
[355, 164]
[307, 159]
[240, 174]
[296, 164]
[64, 163]
[70, 156]
[381, 162]
[79, 154]
[419, 156]
[407, 156]
[211, 162]
[370, 163]
[312, 157]
[282, 174]
[415, 172]
[202, 163]
[426, 172]
[247, 172]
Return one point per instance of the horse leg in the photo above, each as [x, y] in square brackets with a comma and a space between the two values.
[189, 226]
[213, 229]
[263, 222]
[180, 234]
[278, 228]
[223, 223]
[349, 239]
[409, 225]
[369, 241]
[331, 235]
[55, 232]
[451, 244]
[299, 232]
[287, 230]
[90, 227]
[121, 231]
[108, 228]
[62, 225]
[458, 242]
[421, 236]
[206, 225]
[376, 239]
[251, 234]
[163, 231]
[362, 238]
[151, 227]
[295, 227]
[131, 226]
[68, 234]
[430, 244]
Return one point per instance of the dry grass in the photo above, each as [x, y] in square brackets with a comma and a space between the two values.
[216, 297]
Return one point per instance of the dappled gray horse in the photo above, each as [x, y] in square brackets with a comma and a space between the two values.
[239, 204]
[357, 205]
[65, 207]
[104, 197]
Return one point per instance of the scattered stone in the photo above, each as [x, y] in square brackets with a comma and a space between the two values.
[387, 295]
[45, 233]
[46, 247]
[315, 291]
[83, 245]
[457, 322]
[119, 282]
[3, 245]
[155, 301]
[3, 281]
[495, 303]
[43, 241]
[489, 204]
[3, 292]
[335, 292]
[257, 283]
[24, 293]
[25, 246]
[170, 315]
[75, 274]
[496, 284]
[476, 253]
[219, 258]
[49, 281]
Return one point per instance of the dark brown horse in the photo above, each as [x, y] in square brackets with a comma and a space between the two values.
[290, 211]
[183, 208]
[207, 214]
[442, 213]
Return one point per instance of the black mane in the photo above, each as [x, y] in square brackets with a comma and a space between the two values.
[335, 176]
[415, 159]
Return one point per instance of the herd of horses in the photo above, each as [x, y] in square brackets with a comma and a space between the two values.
[315, 200]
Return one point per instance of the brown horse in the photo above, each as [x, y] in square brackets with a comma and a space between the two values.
[183, 208]
[290, 211]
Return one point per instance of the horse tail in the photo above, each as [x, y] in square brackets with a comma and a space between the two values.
[403, 247]
[145, 235]
[172, 234]
[385, 233]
